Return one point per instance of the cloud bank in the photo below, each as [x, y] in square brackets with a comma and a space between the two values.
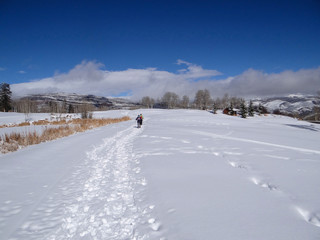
[89, 78]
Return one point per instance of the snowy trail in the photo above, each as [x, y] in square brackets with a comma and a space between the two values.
[105, 206]
[100, 200]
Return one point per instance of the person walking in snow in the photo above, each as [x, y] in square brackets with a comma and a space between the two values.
[139, 120]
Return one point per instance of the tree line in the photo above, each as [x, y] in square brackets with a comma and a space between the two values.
[170, 100]
[228, 104]
[26, 106]
[203, 100]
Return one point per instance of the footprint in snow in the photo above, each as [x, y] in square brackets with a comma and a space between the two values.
[154, 225]
[237, 165]
[313, 218]
[257, 182]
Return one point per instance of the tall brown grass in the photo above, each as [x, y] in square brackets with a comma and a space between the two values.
[14, 141]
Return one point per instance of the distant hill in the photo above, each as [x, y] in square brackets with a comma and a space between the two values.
[45, 102]
[294, 104]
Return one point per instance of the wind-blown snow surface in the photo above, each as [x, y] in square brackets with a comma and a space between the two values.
[184, 175]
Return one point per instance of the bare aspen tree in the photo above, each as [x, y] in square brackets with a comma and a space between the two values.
[206, 99]
[217, 104]
[202, 99]
[147, 102]
[198, 100]
[316, 111]
[225, 101]
[86, 111]
[170, 100]
[185, 101]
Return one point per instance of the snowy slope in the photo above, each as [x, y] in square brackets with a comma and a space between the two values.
[43, 100]
[292, 104]
[184, 175]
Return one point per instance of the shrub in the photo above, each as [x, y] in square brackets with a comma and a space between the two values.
[13, 141]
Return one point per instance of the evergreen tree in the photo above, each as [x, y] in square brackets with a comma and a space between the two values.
[230, 109]
[5, 97]
[243, 110]
[262, 109]
[215, 108]
[250, 109]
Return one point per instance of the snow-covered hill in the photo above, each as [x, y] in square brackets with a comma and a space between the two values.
[185, 174]
[77, 99]
[294, 104]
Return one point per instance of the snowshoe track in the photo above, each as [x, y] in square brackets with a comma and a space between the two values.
[101, 199]
[106, 207]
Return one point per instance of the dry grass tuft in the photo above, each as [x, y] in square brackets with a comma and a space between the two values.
[23, 124]
[14, 141]
[41, 122]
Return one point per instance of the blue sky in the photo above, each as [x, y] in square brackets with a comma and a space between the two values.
[44, 39]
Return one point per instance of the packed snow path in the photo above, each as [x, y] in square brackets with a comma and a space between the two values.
[98, 199]
[184, 175]
[104, 207]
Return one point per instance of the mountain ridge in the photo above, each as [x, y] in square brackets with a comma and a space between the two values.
[43, 101]
[293, 104]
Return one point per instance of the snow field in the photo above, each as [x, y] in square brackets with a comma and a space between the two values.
[215, 176]
[185, 174]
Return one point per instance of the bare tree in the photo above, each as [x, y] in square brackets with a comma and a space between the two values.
[147, 102]
[236, 102]
[225, 101]
[170, 100]
[217, 104]
[202, 99]
[206, 99]
[198, 100]
[86, 111]
[185, 101]
[316, 110]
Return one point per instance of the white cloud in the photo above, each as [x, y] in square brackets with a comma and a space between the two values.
[2, 69]
[89, 78]
[22, 72]
[194, 71]
[258, 83]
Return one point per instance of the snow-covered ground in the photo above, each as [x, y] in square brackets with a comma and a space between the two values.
[185, 174]
[11, 119]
